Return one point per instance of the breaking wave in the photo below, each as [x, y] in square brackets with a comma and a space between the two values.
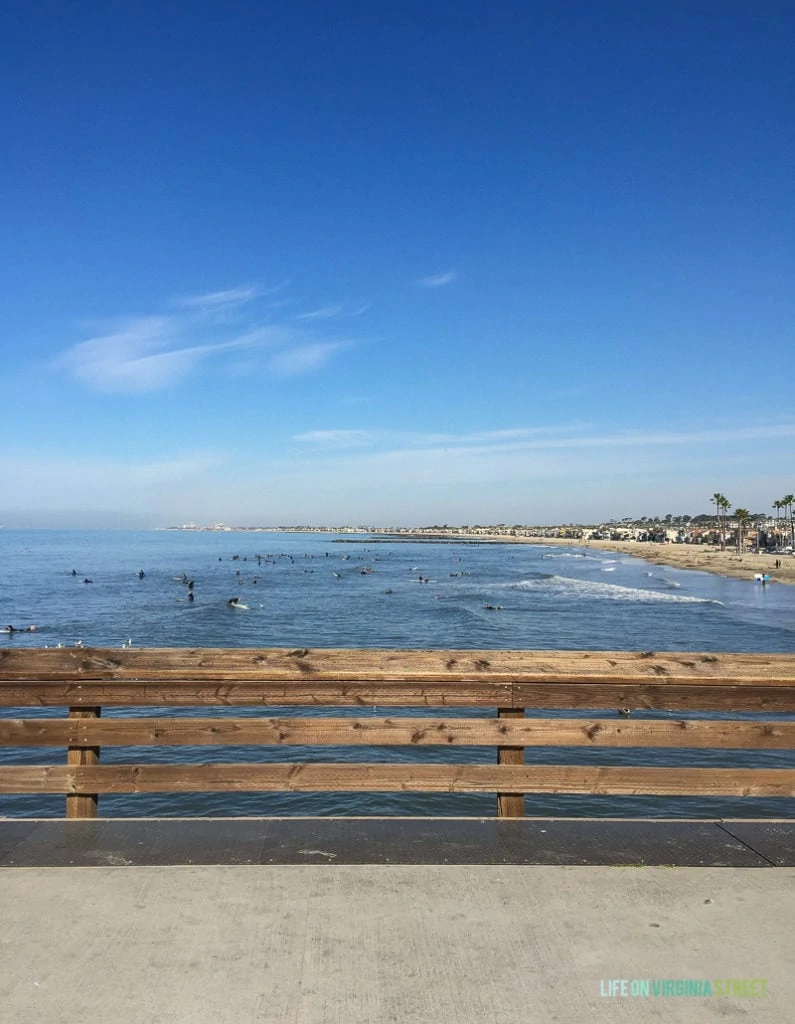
[564, 585]
[572, 554]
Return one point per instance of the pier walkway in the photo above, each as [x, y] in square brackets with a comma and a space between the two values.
[515, 921]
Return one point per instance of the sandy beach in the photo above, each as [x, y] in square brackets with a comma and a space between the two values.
[703, 557]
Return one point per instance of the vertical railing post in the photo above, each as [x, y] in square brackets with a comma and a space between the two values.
[82, 805]
[510, 805]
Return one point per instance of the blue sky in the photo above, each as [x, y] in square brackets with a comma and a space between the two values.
[395, 263]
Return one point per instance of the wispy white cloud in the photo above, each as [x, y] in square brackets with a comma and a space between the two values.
[437, 280]
[304, 358]
[144, 354]
[344, 438]
[330, 312]
[322, 313]
[494, 436]
[396, 444]
[230, 296]
[638, 440]
[335, 438]
[641, 439]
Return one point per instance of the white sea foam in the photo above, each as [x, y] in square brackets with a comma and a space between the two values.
[604, 591]
[573, 554]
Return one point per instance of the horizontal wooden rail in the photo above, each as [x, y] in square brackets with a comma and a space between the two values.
[657, 696]
[522, 732]
[447, 666]
[369, 778]
[502, 682]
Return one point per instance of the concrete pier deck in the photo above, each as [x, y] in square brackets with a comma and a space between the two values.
[417, 943]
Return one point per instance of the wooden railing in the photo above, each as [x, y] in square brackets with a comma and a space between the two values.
[505, 682]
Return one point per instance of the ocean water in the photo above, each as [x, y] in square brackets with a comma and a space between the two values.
[311, 591]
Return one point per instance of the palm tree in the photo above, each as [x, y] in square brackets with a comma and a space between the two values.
[722, 505]
[726, 506]
[778, 505]
[716, 499]
[786, 502]
[743, 516]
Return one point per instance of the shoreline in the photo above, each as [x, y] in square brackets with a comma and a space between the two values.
[698, 557]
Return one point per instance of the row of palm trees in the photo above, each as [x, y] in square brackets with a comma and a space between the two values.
[743, 517]
[786, 503]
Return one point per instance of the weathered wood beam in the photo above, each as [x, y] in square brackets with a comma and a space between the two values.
[82, 805]
[511, 732]
[509, 805]
[660, 695]
[160, 664]
[447, 778]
